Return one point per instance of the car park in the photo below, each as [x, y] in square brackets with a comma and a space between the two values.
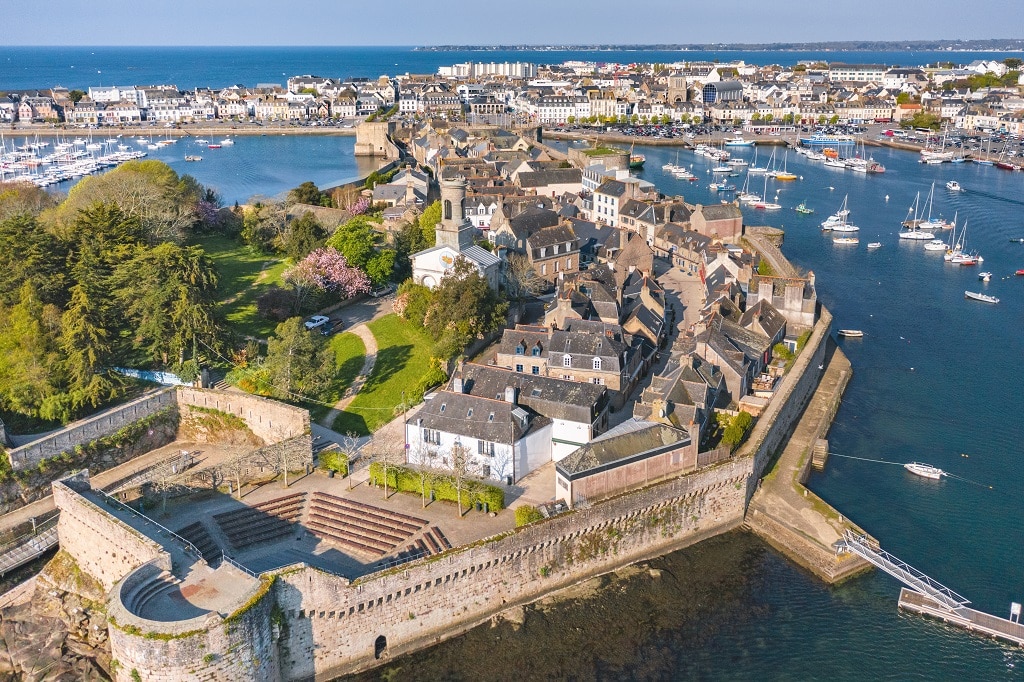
[316, 322]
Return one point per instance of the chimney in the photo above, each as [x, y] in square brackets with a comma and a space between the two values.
[410, 193]
[510, 394]
[457, 385]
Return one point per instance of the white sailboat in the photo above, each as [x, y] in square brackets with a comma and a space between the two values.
[913, 225]
[938, 223]
[837, 221]
[745, 197]
[754, 168]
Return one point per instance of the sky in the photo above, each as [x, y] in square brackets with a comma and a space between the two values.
[490, 22]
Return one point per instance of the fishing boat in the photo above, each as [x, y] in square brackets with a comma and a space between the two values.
[924, 470]
[986, 276]
[954, 186]
[845, 240]
[802, 208]
[978, 296]
[874, 245]
[851, 333]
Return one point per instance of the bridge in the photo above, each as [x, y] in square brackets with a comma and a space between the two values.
[904, 572]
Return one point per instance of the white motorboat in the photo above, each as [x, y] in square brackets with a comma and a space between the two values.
[924, 470]
[977, 296]
[936, 245]
[845, 240]
[985, 276]
[874, 245]
[851, 333]
[954, 186]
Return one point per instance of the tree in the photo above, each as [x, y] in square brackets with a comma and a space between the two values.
[463, 468]
[429, 220]
[76, 96]
[304, 234]
[520, 277]
[357, 241]
[903, 98]
[463, 307]
[86, 348]
[27, 361]
[298, 363]
[168, 294]
[325, 270]
[262, 226]
[306, 193]
[1013, 63]
[737, 429]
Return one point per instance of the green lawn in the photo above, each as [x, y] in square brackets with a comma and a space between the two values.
[242, 276]
[403, 358]
[349, 354]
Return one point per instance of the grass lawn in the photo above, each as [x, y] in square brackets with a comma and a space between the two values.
[242, 276]
[403, 357]
[349, 354]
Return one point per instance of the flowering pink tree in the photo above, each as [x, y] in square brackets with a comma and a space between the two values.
[359, 207]
[325, 270]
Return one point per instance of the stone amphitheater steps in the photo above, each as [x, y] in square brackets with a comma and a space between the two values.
[199, 536]
[142, 594]
[264, 522]
[359, 527]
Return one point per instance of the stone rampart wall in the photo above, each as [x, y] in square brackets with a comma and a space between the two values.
[90, 429]
[241, 648]
[270, 420]
[101, 544]
[775, 425]
[333, 625]
[824, 563]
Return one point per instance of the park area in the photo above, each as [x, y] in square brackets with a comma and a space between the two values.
[243, 275]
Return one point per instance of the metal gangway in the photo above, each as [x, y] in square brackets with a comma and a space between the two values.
[905, 573]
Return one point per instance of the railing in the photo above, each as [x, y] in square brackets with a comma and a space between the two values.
[903, 571]
[118, 504]
[383, 565]
[28, 549]
[224, 557]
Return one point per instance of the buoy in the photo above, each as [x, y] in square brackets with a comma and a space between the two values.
[887, 197]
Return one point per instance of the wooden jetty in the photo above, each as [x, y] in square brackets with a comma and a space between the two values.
[963, 617]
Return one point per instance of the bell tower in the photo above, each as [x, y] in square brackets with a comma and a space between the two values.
[454, 230]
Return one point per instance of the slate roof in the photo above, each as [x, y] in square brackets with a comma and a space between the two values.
[547, 396]
[558, 234]
[613, 188]
[631, 441]
[721, 212]
[555, 176]
[476, 417]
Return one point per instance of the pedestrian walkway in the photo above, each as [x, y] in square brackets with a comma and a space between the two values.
[370, 343]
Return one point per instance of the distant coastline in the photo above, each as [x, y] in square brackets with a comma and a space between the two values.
[952, 46]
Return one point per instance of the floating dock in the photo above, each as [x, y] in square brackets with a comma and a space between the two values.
[963, 617]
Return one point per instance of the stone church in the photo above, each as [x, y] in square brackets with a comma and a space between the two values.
[454, 240]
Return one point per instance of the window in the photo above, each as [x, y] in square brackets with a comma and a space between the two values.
[597, 363]
[568, 263]
[544, 269]
[536, 351]
[543, 252]
[566, 361]
[485, 471]
[485, 447]
[598, 381]
[519, 368]
[519, 349]
[431, 436]
[556, 266]
[555, 247]
[535, 370]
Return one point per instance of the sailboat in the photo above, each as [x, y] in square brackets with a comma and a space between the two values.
[837, 221]
[938, 223]
[771, 172]
[962, 257]
[754, 168]
[745, 196]
[987, 161]
[636, 161]
[784, 174]
[764, 204]
[671, 166]
[913, 225]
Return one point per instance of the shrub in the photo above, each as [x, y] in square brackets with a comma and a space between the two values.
[334, 460]
[527, 514]
[275, 304]
[737, 429]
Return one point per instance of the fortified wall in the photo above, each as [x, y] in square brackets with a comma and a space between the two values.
[373, 138]
[300, 623]
[90, 429]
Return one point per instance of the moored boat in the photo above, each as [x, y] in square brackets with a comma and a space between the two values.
[1020, 273]
[803, 208]
[851, 333]
[924, 470]
[977, 296]
[845, 240]
[874, 245]
[985, 276]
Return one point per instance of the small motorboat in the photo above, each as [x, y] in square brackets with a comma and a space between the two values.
[875, 245]
[845, 240]
[984, 298]
[850, 333]
[213, 146]
[984, 276]
[1017, 240]
[924, 470]
[1020, 272]
[954, 186]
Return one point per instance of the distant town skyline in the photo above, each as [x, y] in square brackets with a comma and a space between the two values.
[527, 22]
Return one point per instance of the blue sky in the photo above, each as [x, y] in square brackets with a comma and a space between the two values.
[482, 22]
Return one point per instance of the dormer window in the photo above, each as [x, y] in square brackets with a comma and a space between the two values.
[597, 363]
[443, 405]
[519, 349]
[567, 361]
[536, 350]
[556, 249]
[543, 252]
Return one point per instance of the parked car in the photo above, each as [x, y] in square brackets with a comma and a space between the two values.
[317, 321]
[329, 329]
[382, 290]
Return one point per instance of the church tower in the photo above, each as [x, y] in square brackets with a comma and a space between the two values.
[454, 230]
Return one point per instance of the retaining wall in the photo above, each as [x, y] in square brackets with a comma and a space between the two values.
[333, 625]
[270, 420]
[88, 430]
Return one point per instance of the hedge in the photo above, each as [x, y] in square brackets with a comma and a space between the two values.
[407, 480]
[334, 460]
[527, 514]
